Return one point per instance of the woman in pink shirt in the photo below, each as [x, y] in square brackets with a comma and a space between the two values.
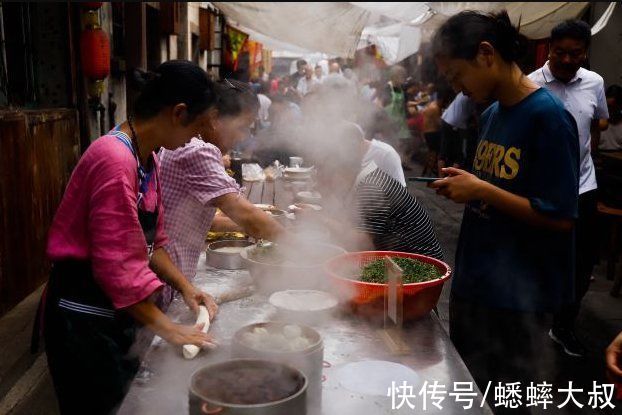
[106, 244]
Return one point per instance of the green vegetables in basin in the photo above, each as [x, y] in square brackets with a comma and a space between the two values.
[414, 271]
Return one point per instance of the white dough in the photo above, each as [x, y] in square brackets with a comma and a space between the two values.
[190, 350]
[303, 300]
[289, 339]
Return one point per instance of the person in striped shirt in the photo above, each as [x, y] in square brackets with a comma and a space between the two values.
[382, 214]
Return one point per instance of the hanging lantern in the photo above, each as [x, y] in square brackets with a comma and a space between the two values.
[95, 53]
[92, 5]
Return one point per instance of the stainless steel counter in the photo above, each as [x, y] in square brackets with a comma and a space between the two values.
[161, 386]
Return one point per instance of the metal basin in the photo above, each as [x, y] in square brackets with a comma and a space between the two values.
[302, 272]
[217, 258]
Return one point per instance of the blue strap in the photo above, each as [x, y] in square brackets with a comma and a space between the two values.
[143, 176]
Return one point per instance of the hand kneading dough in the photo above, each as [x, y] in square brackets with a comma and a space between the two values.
[190, 350]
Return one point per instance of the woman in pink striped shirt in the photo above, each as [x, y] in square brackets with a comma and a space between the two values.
[107, 243]
[195, 183]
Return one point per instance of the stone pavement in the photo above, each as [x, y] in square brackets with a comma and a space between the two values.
[25, 387]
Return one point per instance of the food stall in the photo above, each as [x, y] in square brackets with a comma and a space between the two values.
[350, 365]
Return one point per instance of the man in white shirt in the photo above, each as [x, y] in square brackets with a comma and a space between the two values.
[459, 132]
[264, 105]
[383, 156]
[319, 73]
[307, 83]
[334, 74]
[582, 93]
[459, 111]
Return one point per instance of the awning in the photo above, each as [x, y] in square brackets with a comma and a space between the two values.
[397, 28]
[422, 19]
[333, 28]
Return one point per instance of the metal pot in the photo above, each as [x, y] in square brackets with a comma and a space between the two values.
[293, 274]
[225, 260]
[308, 361]
[206, 402]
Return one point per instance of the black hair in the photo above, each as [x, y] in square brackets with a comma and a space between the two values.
[614, 91]
[235, 98]
[173, 82]
[301, 63]
[460, 36]
[573, 29]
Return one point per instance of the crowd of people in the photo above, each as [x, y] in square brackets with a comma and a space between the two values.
[402, 111]
[515, 148]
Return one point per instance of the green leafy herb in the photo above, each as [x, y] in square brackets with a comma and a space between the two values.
[414, 271]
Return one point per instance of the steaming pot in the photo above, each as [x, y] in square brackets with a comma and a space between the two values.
[201, 404]
[308, 361]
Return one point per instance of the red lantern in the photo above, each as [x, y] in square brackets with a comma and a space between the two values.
[92, 5]
[95, 53]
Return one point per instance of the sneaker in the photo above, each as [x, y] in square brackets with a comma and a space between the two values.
[568, 341]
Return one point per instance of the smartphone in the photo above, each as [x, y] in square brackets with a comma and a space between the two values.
[424, 179]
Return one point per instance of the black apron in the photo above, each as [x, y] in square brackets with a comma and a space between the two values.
[88, 343]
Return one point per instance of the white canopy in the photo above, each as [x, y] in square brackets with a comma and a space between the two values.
[397, 28]
[332, 28]
[536, 21]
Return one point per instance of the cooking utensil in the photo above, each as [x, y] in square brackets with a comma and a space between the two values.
[367, 298]
[308, 361]
[225, 260]
[303, 306]
[213, 387]
[301, 268]
[234, 294]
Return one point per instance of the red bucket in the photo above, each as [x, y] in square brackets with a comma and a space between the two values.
[366, 298]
